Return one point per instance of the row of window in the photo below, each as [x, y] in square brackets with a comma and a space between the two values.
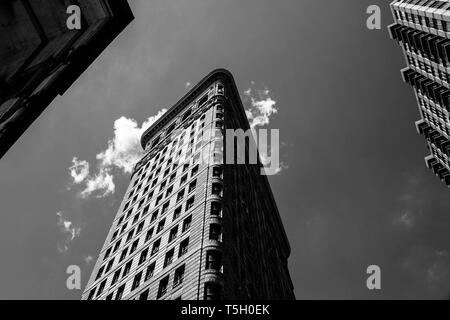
[142, 172]
[217, 189]
[215, 233]
[423, 20]
[153, 217]
[185, 117]
[217, 172]
[178, 142]
[151, 185]
[164, 208]
[164, 283]
[213, 262]
[442, 127]
[121, 273]
[180, 123]
[442, 157]
[435, 109]
[434, 71]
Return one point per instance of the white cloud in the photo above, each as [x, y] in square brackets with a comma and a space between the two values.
[406, 219]
[69, 231]
[102, 184]
[88, 259]
[122, 152]
[261, 108]
[79, 170]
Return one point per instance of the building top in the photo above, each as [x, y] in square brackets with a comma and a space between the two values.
[233, 95]
[188, 98]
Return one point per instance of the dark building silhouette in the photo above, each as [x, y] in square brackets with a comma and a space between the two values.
[191, 227]
[423, 31]
[40, 57]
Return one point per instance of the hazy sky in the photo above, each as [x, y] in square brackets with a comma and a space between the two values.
[356, 191]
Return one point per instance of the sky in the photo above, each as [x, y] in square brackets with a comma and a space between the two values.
[353, 190]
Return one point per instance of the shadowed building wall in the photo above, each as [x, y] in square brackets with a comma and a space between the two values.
[40, 57]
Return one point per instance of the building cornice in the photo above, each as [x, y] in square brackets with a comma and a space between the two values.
[187, 99]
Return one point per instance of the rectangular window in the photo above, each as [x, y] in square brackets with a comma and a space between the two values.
[178, 277]
[169, 191]
[190, 203]
[150, 271]
[145, 211]
[110, 264]
[173, 234]
[99, 273]
[127, 268]
[116, 277]
[192, 186]
[143, 256]
[217, 189]
[215, 232]
[213, 260]
[136, 281]
[165, 207]
[117, 245]
[91, 294]
[162, 290]
[101, 287]
[130, 235]
[184, 246]
[124, 254]
[187, 223]
[217, 172]
[183, 179]
[216, 209]
[169, 258]
[212, 291]
[134, 246]
[144, 295]
[161, 225]
[176, 213]
[155, 248]
[158, 200]
[180, 195]
[140, 227]
[107, 253]
[149, 235]
[154, 216]
[120, 292]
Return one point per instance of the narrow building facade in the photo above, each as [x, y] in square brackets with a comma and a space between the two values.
[191, 227]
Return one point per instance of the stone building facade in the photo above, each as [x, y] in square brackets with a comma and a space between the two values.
[191, 227]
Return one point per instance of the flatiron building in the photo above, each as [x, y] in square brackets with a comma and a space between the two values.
[191, 227]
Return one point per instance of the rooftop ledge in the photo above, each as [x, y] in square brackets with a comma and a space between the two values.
[186, 100]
